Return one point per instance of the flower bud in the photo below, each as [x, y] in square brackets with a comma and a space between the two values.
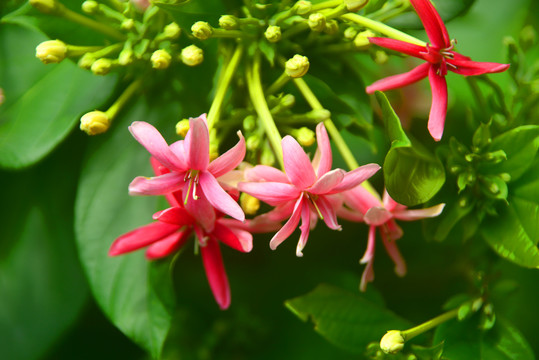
[192, 55]
[350, 33]
[214, 151]
[302, 7]
[380, 57]
[319, 115]
[51, 51]
[160, 59]
[355, 5]
[86, 61]
[45, 6]
[249, 123]
[126, 57]
[273, 33]
[249, 204]
[172, 31]
[288, 101]
[182, 127]
[332, 27]
[94, 122]
[253, 142]
[527, 37]
[201, 30]
[297, 66]
[392, 342]
[317, 22]
[362, 39]
[128, 24]
[101, 66]
[229, 22]
[267, 157]
[305, 136]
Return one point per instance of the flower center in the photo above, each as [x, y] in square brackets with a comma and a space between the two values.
[312, 198]
[440, 56]
[191, 176]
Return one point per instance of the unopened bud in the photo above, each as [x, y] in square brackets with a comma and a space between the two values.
[192, 55]
[317, 22]
[214, 151]
[302, 7]
[126, 57]
[90, 7]
[249, 204]
[253, 142]
[128, 24]
[527, 37]
[101, 66]
[362, 39]
[380, 57]
[201, 30]
[51, 51]
[355, 5]
[45, 6]
[319, 115]
[160, 59]
[350, 33]
[182, 127]
[332, 27]
[273, 33]
[288, 101]
[297, 66]
[392, 342]
[86, 61]
[267, 157]
[229, 22]
[249, 123]
[94, 122]
[305, 136]
[172, 31]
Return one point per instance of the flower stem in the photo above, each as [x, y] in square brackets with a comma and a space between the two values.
[124, 98]
[261, 106]
[278, 84]
[222, 86]
[75, 50]
[382, 28]
[325, 5]
[427, 325]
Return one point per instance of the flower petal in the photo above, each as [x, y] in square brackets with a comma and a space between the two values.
[324, 149]
[394, 253]
[231, 238]
[219, 198]
[289, 227]
[297, 164]
[151, 139]
[197, 145]
[328, 212]
[160, 169]
[168, 245]
[400, 46]
[469, 68]
[434, 26]
[229, 160]
[360, 199]
[158, 185]
[201, 210]
[174, 215]
[355, 177]
[273, 193]
[327, 182]
[438, 108]
[141, 237]
[371, 242]
[265, 173]
[215, 272]
[410, 215]
[305, 227]
[400, 80]
[377, 216]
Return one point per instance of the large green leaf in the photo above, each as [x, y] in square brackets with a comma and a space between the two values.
[448, 10]
[135, 294]
[412, 174]
[348, 320]
[43, 103]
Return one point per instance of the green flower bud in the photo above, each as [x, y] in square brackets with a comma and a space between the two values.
[392, 342]
[182, 127]
[126, 57]
[86, 61]
[332, 27]
[355, 5]
[202, 30]
[527, 37]
[305, 136]
[297, 66]
[90, 7]
[172, 31]
[101, 66]
[249, 123]
[128, 24]
[317, 22]
[214, 151]
[51, 51]
[229, 22]
[192, 55]
[362, 39]
[249, 204]
[319, 115]
[45, 6]
[288, 101]
[160, 59]
[302, 7]
[273, 33]
[267, 157]
[350, 33]
[253, 142]
[94, 122]
[380, 57]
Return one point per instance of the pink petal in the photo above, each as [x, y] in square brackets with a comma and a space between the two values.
[174, 215]
[297, 164]
[265, 173]
[231, 179]
[197, 145]
[305, 228]
[289, 227]
[438, 108]
[390, 204]
[327, 182]
[400, 46]
[158, 185]
[394, 253]
[400, 80]
[324, 149]
[367, 276]
[168, 245]
[434, 26]
[160, 169]
[328, 212]
[273, 193]
[392, 230]
[469, 68]
[349, 215]
[202, 211]
[219, 198]
[229, 160]
[360, 199]
[216, 274]
[410, 215]
[229, 237]
[371, 242]
[141, 237]
[151, 139]
[355, 177]
[377, 216]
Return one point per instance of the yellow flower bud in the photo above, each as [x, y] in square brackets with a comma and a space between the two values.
[302, 7]
[90, 7]
[305, 136]
[380, 57]
[214, 151]
[182, 127]
[201, 30]
[350, 33]
[317, 22]
[229, 22]
[52, 51]
[128, 24]
[160, 59]
[94, 122]
[355, 5]
[332, 27]
[362, 39]
[297, 66]
[273, 33]
[192, 55]
[86, 61]
[101, 66]
[392, 342]
[172, 31]
[253, 142]
[45, 6]
[249, 204]
[125, 58]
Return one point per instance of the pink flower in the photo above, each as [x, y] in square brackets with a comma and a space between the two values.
[362, 205]
[440, 57]
[175, 225]
[302, 192]
[190, 168]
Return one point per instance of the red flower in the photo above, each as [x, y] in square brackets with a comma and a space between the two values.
[440, 57]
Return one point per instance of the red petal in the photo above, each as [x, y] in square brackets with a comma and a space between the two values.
[229, 160]
[400, 46]
[168, 245]
[141, 237]
[215, 272]
[297, 164]
[230, 238]
[434, 26]
[438, 108]
[174, 215]
[324, 149]
[397, 81]
[469, 68]
[197, 144]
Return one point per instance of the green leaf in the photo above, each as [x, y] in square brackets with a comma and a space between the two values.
[412, 175]
[136, 294]
[348, 320]
[448, 10]
[463, 341]
[43, 103]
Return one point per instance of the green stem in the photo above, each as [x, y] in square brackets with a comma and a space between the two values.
[278, 84]
[326, 4]
[124, 98]
[382, 28]
[222, 86]
[426, 326]
[74, 50]
[259, 102]
[106, 50]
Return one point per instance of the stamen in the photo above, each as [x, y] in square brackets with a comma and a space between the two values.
[195, 197]
[188, 191]
[315, 206]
